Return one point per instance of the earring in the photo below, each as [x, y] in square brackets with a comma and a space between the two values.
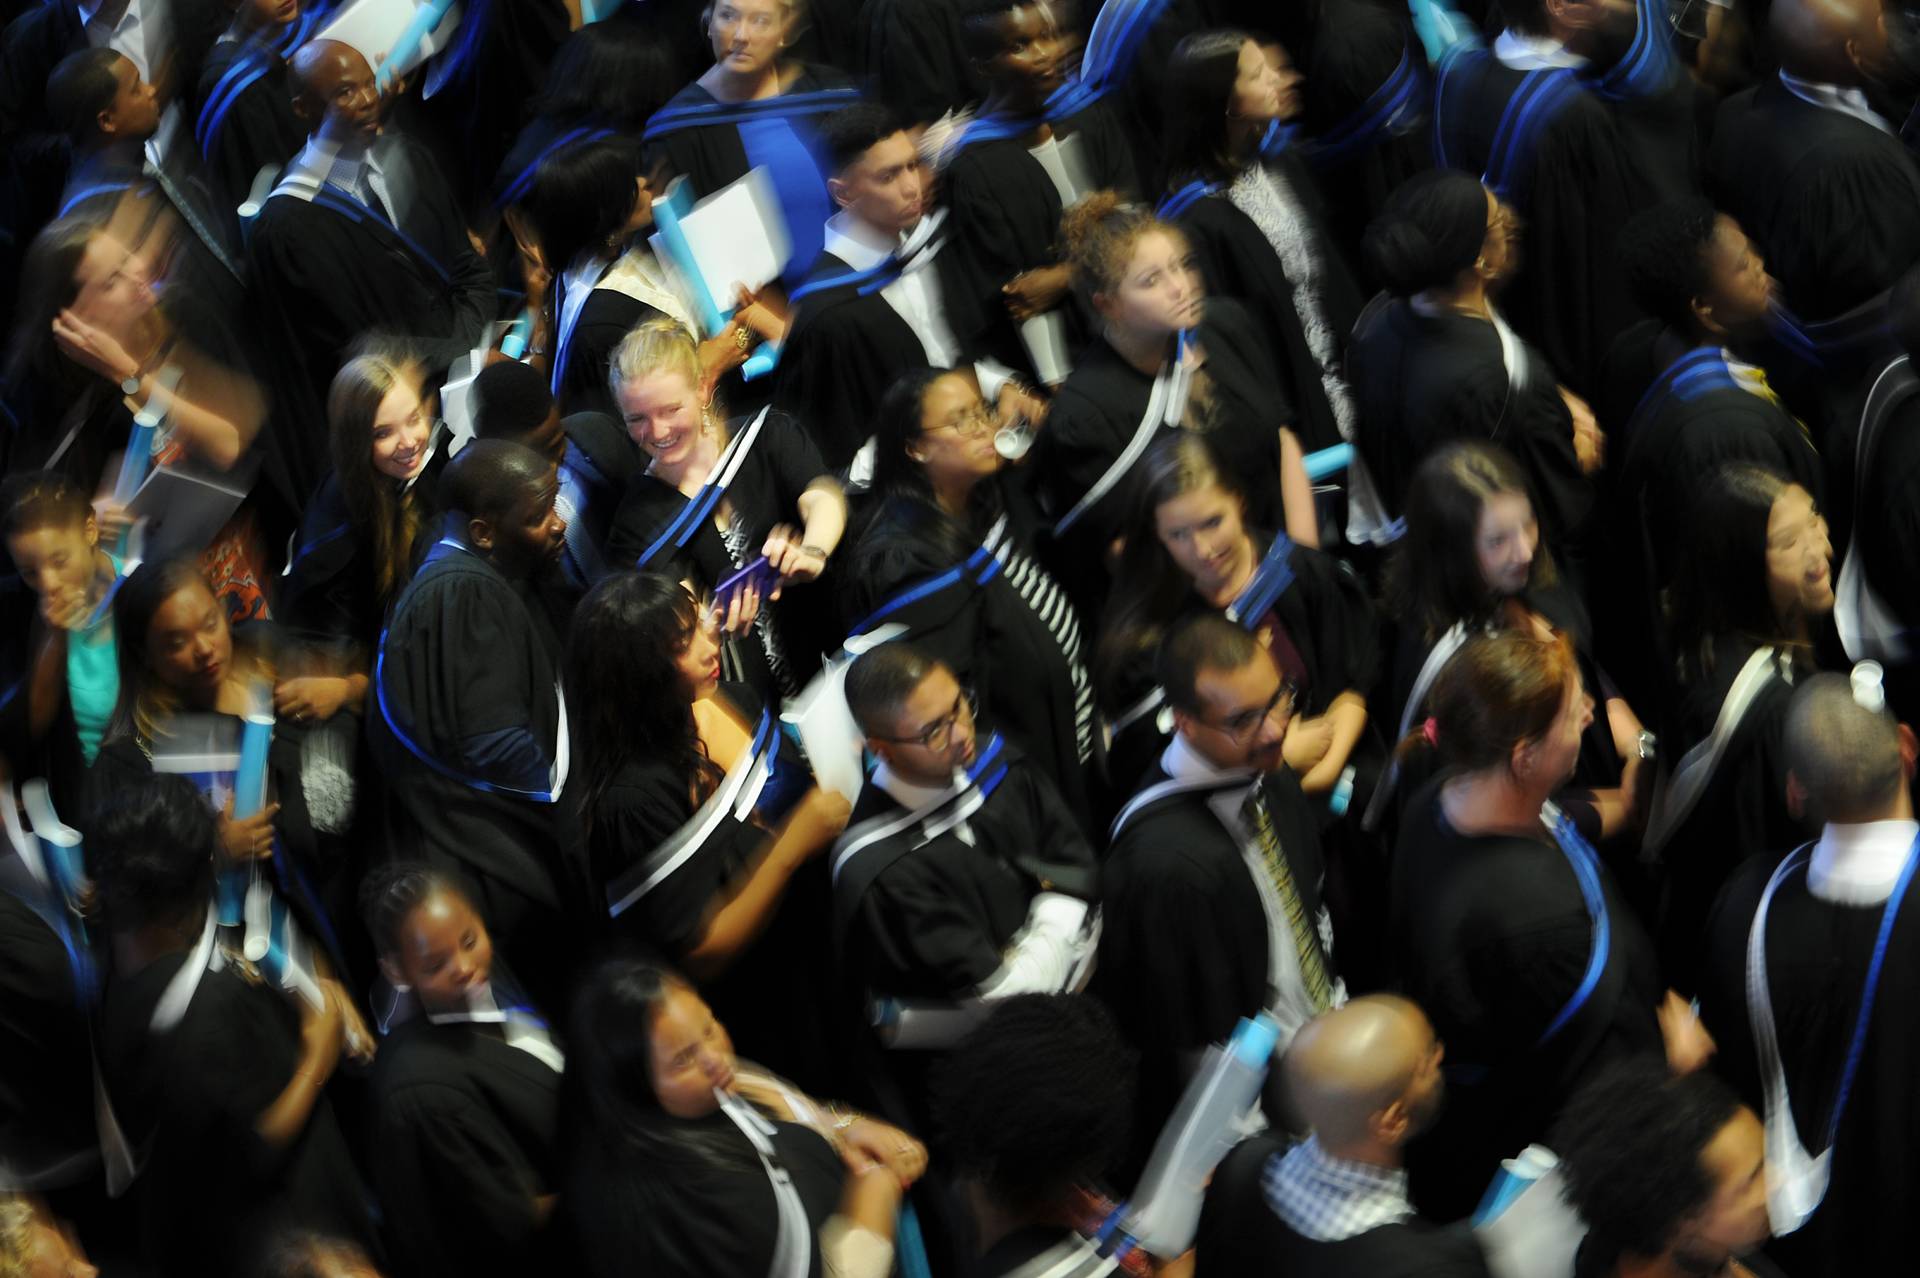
[402, 988]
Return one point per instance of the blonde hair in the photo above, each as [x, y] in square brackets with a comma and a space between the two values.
[16, 1235]
[1099, 234]
[657, 346]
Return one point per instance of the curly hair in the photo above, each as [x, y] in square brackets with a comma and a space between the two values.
[1629, 1145]
[1038, 1099]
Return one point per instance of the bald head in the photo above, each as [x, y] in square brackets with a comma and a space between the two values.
[1366, 1074]
[333, 91]
[1833, 41]
[1845, 758]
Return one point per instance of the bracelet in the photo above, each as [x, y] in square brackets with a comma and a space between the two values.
[842, 1118]
[808, 548]
[742, 339]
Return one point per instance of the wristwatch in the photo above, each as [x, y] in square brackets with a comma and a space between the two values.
[1647, 743]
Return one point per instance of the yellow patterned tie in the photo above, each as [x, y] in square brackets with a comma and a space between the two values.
[1306, 940]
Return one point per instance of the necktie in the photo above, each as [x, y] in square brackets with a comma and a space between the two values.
[374, 193]
[1306, 941]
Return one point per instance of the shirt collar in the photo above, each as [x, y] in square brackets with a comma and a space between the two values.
[1184, 763]
[91, 9]
[908, 794]
[1330, 1199]
[1835, 98]
[859, 244]
[1859, 864]
[1523, 52]
[334, 163]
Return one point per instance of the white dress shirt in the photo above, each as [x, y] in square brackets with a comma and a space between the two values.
[1522, 52]
[1287, 996]
[127, 30]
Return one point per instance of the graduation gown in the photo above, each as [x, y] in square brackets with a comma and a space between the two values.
[1744, 805]
[210, 1191]
[993, 617]
[663, 866]
[243, 118]
[705, 1214]
[929, 915]
[657, 528]
[1238, 261]
[847, 344]
[1005, 210]
[1569, 172]
[1827, 198]
[467, 1130]
[1098, 411]
[1818, 952]
[46, 1065]
[1426, 380]
[918, 60]
[1494, 940]
[326, 272]
[464, 720]
[1183, 945]
[1240, 1233]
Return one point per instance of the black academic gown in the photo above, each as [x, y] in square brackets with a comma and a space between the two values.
[1494, 941]
[702, 1215]
[466, 1131]
[657, 528]
[1183, 945]
[46, 1070]
[1240, 1233]
[1005, 213]
[1743, 807]
[467, 669]
[324, 279]
[244, 118]
[1238, 261]
[1574, 179]
[918, 60]
[770, 997]
[1828, 198]
[1097, 411]
[982, 626]
[606, 317]
[844, 349]
[211, 1192]
[933, 918]
[1426, 380]
[1818, 954]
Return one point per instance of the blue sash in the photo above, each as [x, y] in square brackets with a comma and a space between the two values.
[1649, 63]
[1700, 371]
[874, 278]
[1399, 99]
[1270, 581]
[1538, 100]
[1112, 47]
[699, 508]
[1586, 868]
[697, 115]
[439, 552]
[523, 181]
[976, 570]
[328, 197]
[246, 71]
[1277, 139]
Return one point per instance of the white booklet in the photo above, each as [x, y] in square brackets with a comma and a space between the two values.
[375, 26]
[181, 512]
[735, 238]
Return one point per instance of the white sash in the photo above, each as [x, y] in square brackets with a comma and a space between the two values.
[792, 1244]
[1451, 642]
[737, 794]
[1868, 629]
[523, 1032]
[1678, 794]
[178, 996]
[1165, 789]
[1166, 406]
[631, 275]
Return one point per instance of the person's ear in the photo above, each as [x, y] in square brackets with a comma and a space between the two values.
[1390, 1126]
[1909, 751]
[308, 111]
[1104, 304]
[916, 455]
[1703, 315]
[90, 529]
[390, 969]
[480, 534]
[841, 192]
[104, 121]
[1796, 797]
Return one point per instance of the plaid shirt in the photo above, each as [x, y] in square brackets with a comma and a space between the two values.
[1328, 1199]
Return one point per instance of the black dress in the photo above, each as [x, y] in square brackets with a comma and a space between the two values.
[702, 1215]
[1097, 412]
[996, 619]
[656, 528]
[1426, 380]
[1494, 940]
[466, 1129]
[211, 1191]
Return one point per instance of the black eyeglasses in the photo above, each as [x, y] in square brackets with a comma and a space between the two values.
[938, 735]
[1244, 725]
